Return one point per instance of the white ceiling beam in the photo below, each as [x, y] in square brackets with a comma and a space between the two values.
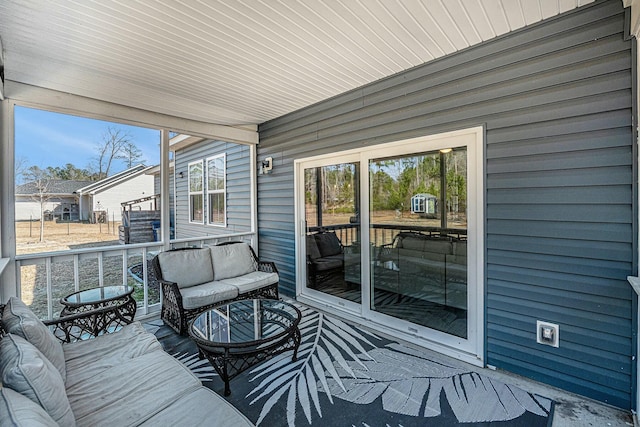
[37, 97]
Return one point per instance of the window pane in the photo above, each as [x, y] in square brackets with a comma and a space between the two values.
[195, 177]
[196, 207]
[216, 208]
[215, 174]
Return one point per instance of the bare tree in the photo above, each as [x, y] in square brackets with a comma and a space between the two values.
[130, 153]
[110, 148]
[41, 181]
[20, 168]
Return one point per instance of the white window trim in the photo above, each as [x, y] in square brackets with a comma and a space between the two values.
[223, 191]
[190, 193]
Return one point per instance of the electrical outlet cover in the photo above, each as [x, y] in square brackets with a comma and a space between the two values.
[548, 333]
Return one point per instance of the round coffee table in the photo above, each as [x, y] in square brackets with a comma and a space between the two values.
[238, 335]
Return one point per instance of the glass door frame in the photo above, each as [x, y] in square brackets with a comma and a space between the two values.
[470, 349]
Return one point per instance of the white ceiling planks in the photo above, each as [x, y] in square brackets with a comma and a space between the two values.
[241, 61]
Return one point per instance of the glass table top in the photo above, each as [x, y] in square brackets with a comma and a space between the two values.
[245, 322]
[96, 295]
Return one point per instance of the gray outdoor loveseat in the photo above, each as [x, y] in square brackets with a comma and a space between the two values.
[196, 279]
[123, 378]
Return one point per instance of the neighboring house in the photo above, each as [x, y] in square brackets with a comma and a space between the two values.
[61, 203]
[105, 197]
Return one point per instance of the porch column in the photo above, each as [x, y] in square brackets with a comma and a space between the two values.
[165, 209]
[8, 286]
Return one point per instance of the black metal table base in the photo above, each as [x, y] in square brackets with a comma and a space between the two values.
[229, 363]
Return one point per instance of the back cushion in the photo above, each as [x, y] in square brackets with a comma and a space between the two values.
[232, 260]
[444, 247]
[413, 243]
[328, 244]
[312, 247]
[187, 267]
[18, 319]
[24, 369]
[17, 410]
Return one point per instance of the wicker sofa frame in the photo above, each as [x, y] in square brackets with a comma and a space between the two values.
[177, 317]
[81, 326]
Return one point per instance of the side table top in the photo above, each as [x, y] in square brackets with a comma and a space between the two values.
[97, 295]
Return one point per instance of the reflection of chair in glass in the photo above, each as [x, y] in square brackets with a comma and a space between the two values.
[325, 257]
[428, 267]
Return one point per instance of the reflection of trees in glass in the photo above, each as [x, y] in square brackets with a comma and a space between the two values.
[337, 189]
[395, 181]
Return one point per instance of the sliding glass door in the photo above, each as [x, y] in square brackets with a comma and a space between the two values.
[418, 229]
[332, 230]
[394, 235]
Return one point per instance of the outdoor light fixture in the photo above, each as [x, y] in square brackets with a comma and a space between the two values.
[446, 150]
[181, 175]
[266, 165]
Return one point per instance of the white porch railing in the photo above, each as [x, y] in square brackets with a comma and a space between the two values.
[44, 278]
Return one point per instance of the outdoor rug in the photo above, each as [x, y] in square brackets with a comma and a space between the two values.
[348, 376]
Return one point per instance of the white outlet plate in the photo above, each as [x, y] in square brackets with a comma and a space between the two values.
[548, 333]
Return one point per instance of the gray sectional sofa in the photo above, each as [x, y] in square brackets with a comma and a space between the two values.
[124, 378]
[430, 267]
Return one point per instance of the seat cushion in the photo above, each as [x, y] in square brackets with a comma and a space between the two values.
[207, 293]
[17, 410]
[329, 263]
[130, 393]
[252, 281]
[202, 407]
[186, 267]
[114, 349]
[232, 260]
[24, 369]
[18, 319]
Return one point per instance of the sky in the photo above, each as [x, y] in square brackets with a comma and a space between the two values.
[50, 139]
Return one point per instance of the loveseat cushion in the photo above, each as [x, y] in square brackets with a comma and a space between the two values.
[207, 293]
[18, 319]
[328, 244]
[17, 410]
[252, 281]
[27, 371]
[231, 260]
[129, 393]
[188, 267]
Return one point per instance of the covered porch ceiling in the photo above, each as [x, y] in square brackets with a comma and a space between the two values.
[237, 62]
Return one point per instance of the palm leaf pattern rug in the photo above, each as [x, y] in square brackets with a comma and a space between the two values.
[347, 376]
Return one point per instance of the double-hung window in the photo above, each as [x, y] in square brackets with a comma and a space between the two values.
[196, 196]
[216, 190]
